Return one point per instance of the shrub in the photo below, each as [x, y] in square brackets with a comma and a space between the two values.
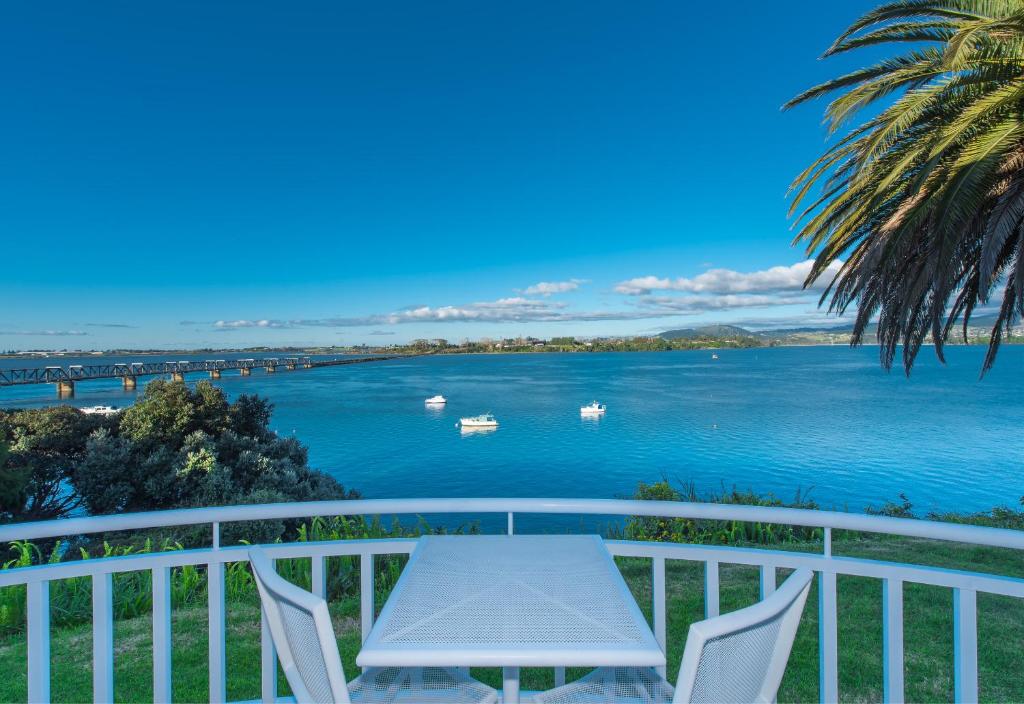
[689, 530]
[176, 447]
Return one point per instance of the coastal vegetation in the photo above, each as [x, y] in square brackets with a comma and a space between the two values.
[916, 213]
[698, 338]
[176, 447]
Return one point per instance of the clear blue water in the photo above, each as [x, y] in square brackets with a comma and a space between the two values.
[823, 419]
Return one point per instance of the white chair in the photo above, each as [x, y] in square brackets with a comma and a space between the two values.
[737, 657]
[300, 626]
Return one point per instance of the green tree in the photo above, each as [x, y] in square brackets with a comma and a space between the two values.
[175, 447]
[183, 447]
[45, 448]
[916, 214]
[13, 482]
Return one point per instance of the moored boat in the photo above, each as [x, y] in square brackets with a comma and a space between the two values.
[438, 400]
[486, 420]
[100, 410]
[593, 409]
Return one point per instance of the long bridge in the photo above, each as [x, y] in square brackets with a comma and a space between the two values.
[129, 372]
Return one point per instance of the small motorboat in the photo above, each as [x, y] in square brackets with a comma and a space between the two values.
[483, 421]
[714, 356]
[593, 409]
[100, 410]
[438, 400]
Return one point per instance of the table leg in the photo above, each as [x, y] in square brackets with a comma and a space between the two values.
[510, 686]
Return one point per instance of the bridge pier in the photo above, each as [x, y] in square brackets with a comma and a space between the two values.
[65, 388]
[307, 365]
[215, 373]
[271, 369]
[178, 376]
[290, 367]
[129, 382]
[246, 371]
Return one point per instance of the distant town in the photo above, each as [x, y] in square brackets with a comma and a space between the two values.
[704, 337]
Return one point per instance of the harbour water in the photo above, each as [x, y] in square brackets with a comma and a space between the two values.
[824, 420]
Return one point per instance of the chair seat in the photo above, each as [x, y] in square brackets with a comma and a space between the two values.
[622, 685]
[402, 685]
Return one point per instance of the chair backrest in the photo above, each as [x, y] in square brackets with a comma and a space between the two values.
[741, 656]
[300, 626]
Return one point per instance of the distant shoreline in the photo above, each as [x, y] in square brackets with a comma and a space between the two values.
[451, 351]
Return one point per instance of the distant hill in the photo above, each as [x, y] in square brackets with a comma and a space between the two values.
[811, 334]
[837, 330]
[714, 331]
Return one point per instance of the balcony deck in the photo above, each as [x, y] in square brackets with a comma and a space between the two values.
[892, 578]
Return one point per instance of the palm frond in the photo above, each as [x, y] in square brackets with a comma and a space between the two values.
[922, 205]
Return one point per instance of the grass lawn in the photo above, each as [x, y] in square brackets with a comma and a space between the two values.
[928, 628]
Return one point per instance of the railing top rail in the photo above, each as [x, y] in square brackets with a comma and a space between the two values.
[979, 535]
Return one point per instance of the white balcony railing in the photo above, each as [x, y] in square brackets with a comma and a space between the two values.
[965, 584]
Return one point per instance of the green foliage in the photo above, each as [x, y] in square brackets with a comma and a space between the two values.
[71, 599]
[45, 447]
[998, 517]
[13, 482]
[688, 530]
[903, 509]
[176, 447]
[916, 213]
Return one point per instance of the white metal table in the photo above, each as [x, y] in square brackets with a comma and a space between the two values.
[511, 601]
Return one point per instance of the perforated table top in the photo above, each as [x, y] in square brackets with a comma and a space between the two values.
[523, 600]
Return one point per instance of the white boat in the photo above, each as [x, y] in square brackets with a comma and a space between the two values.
[484, 421]
[714, 356]
[101, 410]
[594, 409]
[438, 400]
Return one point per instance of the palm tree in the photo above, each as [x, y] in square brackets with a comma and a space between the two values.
[921, 205]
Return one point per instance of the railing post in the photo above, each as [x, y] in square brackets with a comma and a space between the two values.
[318, 576]
[366, 594]
[767, 581]
[711, 603]
[511, 523]
[161, 635]
[965, 645]
[268, 660]
[658, 605]
[38, 618]
[828, 644]
[892, 643]
[102, 638]
[218, 655]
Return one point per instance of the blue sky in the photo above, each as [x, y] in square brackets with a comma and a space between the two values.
[231, 174]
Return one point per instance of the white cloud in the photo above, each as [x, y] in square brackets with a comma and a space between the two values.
[716, 290]
[547, 288]
[520, 309]
[245, 324]
[694, 305]
[726, 281]
[46, 333]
